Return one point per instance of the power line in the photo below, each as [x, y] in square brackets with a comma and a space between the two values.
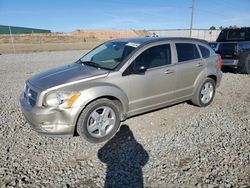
[224, 4]
[211, 12]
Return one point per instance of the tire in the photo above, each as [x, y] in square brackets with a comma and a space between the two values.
[244, 66]
[204, 94]
[99, 121]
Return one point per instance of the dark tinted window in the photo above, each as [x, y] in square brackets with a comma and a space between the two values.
[213, 45]
[204, 51]
[234, 35]
[155, 56]
[222, 36]
[186, 51]
[227, 47]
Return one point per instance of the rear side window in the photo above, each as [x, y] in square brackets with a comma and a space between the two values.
[186, 51]
[234, 35]
[204, 51]
[222, 36]
[155, 56]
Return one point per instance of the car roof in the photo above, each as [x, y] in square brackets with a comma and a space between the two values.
[146, 40]
[237, 29]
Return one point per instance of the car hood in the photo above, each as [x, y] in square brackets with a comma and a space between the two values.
[64, 75]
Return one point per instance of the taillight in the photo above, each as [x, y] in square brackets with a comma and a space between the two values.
[219, 65]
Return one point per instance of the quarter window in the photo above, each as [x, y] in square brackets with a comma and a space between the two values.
[204, 51]
[186, 51]
[154, 57]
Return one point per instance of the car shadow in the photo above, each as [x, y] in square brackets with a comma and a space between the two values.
[124, 158]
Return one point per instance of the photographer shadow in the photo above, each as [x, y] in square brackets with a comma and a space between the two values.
[124, 158]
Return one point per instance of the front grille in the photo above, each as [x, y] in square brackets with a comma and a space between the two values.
[30, 95]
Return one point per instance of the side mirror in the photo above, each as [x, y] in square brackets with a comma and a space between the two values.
[139, 69]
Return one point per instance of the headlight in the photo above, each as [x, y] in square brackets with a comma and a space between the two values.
[63, 99]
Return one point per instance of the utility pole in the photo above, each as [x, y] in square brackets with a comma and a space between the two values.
[12, 40]
[192, 17]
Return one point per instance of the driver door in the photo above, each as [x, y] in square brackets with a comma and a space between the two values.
[153, 87]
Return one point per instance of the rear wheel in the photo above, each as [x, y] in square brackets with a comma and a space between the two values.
[205, 93]
[99, 121]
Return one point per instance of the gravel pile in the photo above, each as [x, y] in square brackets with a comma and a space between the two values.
[179, 146]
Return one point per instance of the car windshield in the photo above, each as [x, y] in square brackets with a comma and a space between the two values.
[109, 55]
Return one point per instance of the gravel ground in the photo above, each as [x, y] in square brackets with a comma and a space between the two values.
[179, 146]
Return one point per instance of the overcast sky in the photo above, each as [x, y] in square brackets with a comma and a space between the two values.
[69, 15]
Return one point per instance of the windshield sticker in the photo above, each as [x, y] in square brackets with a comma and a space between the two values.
[135, 45]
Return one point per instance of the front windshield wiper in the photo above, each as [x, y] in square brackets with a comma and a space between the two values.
[91, 63]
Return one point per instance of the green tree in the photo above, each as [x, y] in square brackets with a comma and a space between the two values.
[212, 28]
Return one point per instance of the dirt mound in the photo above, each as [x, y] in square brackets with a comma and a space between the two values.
[108, 34]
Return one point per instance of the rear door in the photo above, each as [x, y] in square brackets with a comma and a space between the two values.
[188, 67]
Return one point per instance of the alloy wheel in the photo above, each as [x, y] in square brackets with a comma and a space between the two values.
[101, 121]
[207, 93]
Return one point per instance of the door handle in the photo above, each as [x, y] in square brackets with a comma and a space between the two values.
[199, 64]
[168, 71]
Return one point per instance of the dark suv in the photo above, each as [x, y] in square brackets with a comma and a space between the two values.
[234, 47]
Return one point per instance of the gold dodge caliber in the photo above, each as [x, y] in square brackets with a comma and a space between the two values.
[117, 80]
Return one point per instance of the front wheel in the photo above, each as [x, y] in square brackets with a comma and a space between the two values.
[205, 93]
[99, 121]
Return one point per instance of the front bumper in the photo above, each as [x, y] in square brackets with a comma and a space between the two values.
[50, 121]
[230, 62]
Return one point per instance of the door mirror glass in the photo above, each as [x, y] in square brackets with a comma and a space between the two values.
[139, 69]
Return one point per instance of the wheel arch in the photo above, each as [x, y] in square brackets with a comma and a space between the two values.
[90, 95]
[203, 75]
[214, 77]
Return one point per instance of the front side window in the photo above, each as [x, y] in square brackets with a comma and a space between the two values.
[154, 57]
[109, 55]
[204, 51]
[186, 51]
